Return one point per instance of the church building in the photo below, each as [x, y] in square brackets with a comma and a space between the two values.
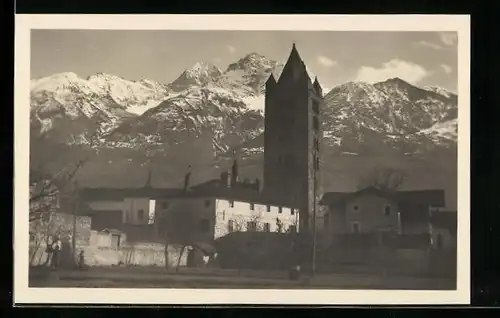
[292, 139]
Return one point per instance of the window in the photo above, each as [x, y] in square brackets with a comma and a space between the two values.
[223, 215]
[164, 205]
[267, 227]
[251, 226]
[204, 225]
[315, 107]
[207, 203]
[280, 210]
[140, 215]
[230, 226]
[252, 206]
[268, 208]
[315, 123]
[231, 204]
[293, 228]
[316, 163]
[292, 211]
[387, 210]
[355, 227]
[115, 240]
[316, 144]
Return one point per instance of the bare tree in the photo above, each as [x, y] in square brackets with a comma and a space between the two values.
[383, 178]
[279, 226]
[47, 187]
[292, 228]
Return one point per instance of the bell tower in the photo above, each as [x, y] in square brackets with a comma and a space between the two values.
[292, 139]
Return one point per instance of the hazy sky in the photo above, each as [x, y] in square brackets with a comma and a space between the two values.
[421, 58]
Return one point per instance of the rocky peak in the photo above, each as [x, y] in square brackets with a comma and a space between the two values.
[252, 62]
[199, 74]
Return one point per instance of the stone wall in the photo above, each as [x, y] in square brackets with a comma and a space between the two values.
[59, 224]
[96, 245]
[142, 254]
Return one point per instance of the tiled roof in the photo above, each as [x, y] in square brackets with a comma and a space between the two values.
[121, 193]
[212, 188]
[433, 197]
[430, 197]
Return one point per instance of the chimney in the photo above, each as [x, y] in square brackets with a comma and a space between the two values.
[186, 178]
[224, 178]
[234, 173]
[147, 185]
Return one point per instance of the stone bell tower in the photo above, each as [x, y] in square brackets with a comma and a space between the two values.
[292, 139]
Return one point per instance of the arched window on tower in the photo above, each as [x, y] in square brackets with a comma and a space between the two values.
[315, 106]
[315, 123]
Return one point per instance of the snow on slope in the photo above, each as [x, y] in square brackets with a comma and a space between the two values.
[446, 130]
[440, 90]
[137, 95]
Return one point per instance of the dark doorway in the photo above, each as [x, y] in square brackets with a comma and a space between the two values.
[115, 240]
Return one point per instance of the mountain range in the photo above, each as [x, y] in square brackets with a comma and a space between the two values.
[207, 116]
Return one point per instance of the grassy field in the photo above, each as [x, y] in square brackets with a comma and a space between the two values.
[159, 278]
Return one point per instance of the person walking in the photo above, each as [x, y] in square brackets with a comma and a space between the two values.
[56, 250]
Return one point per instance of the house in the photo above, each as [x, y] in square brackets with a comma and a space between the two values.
[371, 210]
[114, 207]
[209, 210]
[199, 213]
[365, 211]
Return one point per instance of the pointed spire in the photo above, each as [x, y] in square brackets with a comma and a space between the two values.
[271, 80]
[294, 54]
[234, 172]
[294, 67]
[317, 86]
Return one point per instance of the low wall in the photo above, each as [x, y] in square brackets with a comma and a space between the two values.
[140, 254]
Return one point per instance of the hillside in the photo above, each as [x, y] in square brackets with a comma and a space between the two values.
[208, 115]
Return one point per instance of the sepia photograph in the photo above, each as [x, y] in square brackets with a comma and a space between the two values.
[240, 160]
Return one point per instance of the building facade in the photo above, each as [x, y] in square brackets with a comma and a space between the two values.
[240, 216]
[196, 218]
[370, 210]
[365, 211]
[293, 138]
[108, 213]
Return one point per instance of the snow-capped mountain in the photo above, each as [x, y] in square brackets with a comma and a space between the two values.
[101, 100]
[441, 91]
[209, 113]
[198, 75]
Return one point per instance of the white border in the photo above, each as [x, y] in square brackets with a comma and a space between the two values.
[24, 23]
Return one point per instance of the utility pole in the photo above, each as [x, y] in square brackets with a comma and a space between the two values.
[75, 213]
[314, 223]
